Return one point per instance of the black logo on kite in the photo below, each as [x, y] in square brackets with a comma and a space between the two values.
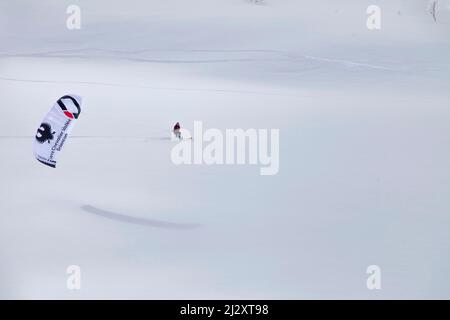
[45, 133]
[68, 113]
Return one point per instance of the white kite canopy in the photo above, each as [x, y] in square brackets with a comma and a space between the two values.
[55, 128]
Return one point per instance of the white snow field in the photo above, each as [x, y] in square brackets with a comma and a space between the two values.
[364, 179]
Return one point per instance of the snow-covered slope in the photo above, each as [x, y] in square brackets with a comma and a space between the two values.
[364, 133]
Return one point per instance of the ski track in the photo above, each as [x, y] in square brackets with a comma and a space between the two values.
[91, 53]
[351, 63]
[87, 53]
[156, 88]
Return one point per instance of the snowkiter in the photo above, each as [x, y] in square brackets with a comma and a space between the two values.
[177, 130]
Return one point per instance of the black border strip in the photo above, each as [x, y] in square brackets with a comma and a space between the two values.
[277, 309]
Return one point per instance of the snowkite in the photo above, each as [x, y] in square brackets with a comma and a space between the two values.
[55, 129]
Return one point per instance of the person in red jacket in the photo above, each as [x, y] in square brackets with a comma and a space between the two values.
[177, 130]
